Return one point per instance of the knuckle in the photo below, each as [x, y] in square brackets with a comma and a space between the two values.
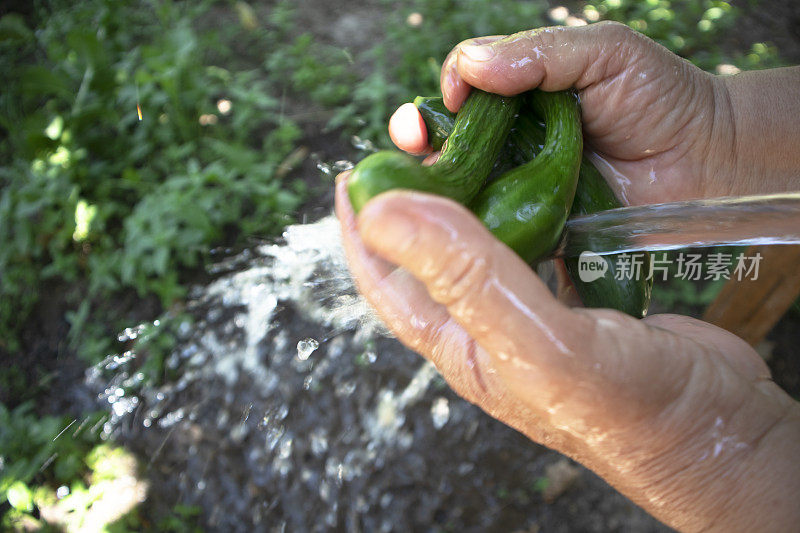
[462, 277]
[612, 26]
[540, 37]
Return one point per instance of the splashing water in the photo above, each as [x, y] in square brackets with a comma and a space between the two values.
[306, 347]
[285, 405]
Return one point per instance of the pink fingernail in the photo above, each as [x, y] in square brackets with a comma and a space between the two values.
[474, 52]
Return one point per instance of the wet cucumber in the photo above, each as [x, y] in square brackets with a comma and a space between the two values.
[527, 207]
[438, 119]
[478, 133]
[629, 294]
[525, 141]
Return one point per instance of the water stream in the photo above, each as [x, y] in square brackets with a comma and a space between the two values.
[735, 221]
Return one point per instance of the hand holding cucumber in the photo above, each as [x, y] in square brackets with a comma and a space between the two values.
[679, 415]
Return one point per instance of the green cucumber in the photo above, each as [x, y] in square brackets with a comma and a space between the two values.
[629, 294]
[527, 207]
[438, 119]
[439, 123]
[479, 131]
[525, 141]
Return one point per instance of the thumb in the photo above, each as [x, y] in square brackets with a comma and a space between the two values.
[554, 58]
[483, 284]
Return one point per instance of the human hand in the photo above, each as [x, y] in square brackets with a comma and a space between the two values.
[660, 128]
[679, 415]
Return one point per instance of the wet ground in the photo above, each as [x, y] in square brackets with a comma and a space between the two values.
[292, 412]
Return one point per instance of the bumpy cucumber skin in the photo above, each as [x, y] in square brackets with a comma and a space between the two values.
[439, 123]
[527, 207]
[525, 141]
[438, 119]
[478, 134]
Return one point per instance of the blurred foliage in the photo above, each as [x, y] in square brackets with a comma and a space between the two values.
[695, 30]
[92, 194]
[39, 454]
[126, 153]
[418, 36]
[59, 464]
[28, 441]
[420, 33]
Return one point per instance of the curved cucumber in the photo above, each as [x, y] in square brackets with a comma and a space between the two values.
[479, 131]
[525, 141]
[527, 207]
[627, 294]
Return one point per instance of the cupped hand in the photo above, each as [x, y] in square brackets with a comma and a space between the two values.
[679, 415]
[660, 128]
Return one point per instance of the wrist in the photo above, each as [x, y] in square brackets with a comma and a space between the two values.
[732, 467]
[764, 490]
[725, 163]
[761, 110]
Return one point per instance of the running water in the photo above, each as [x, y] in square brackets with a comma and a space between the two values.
[737, 221]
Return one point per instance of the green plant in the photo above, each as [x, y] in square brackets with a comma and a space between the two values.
[39, 454]
[418, 34]
[126, 155]
[691, 29]
[43, 449]
[55, 473]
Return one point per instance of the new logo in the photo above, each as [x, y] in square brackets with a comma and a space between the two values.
[591, 266]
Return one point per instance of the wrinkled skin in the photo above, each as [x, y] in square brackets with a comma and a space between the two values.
[679, 415]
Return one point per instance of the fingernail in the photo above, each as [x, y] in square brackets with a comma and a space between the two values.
[481, 52]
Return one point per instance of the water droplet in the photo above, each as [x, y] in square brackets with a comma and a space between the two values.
[306, 347]
[363, 144]
[342, 165]
[325, 168]
[319, 442]
[440, 412]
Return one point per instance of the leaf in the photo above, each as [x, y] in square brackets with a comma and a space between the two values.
[13, 28]
[86, 44]
[20, 497]
[38, 80]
